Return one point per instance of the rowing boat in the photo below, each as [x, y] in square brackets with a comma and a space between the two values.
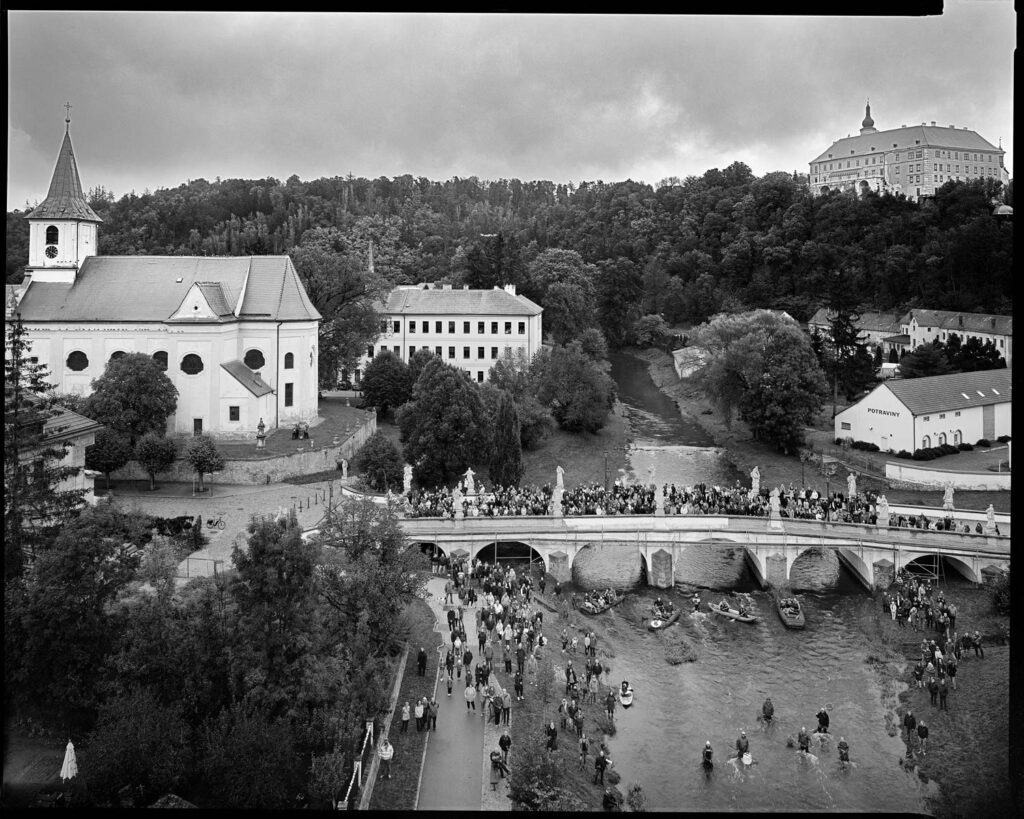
[626, 695]
[734, 614]
[588, 607]
[791, 614]
[656, 622]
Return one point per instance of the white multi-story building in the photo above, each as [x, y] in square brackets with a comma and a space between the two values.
[237, 336]
[875, 328]
[914, 160]
[470, 329]
[919, 326]
[916, 413]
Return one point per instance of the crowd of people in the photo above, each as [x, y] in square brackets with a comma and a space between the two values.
[699, 499]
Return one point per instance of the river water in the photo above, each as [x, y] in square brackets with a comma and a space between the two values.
[678, 708]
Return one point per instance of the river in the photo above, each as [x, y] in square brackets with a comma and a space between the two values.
[678, 708]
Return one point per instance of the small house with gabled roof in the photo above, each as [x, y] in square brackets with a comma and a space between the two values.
[915, 413]
[237, 335]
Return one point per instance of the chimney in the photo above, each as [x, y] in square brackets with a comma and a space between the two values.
[960, 320]
[993, 322]
[465, 287]
[933, 122]
[511, 289]
[446, 287]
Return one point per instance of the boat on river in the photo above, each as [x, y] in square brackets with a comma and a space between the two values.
[790, 612]
[733, 614]
[600, 603]
[662, 618]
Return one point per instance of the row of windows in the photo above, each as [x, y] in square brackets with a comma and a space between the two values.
[439, 351]
[942, 439]
[439, 327]
[911, 155]
[78, 361]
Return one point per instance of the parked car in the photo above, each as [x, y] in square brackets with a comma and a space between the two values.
[345, 385]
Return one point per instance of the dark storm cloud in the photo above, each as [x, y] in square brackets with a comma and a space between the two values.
[159, 98]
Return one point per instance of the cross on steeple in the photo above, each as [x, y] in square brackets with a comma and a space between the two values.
[67, 115]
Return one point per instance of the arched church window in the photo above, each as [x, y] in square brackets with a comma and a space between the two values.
[52, 234]
[77, 361]
[289, 361]
[254, 359]
[160, 357]
[191, 364]
[117, 354]
[926, 442]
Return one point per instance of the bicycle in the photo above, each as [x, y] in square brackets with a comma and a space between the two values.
[216, 523]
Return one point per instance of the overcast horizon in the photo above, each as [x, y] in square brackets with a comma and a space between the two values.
[161, 98]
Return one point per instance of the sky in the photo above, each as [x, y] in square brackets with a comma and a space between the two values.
[159, 98]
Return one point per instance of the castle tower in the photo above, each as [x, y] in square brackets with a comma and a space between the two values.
[868, 125]
[63, 229]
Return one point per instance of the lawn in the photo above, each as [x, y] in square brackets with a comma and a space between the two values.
[399, 792]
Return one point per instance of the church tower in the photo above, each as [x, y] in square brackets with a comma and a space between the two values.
[63, 229]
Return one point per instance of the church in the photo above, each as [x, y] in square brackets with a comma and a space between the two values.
[236, 335]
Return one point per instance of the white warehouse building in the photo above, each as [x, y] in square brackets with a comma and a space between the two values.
[915, 413]
[470, 329]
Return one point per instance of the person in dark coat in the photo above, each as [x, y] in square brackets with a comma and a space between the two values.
[421, 662]
[552, 734]
[910, 723]
[505, 742]
[933, 690]
[517, 683]
[943, 694]
[822, 716]
[922, 735]
[742, 745]
[600, 764]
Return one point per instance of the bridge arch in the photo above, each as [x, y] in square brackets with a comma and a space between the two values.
[931, 564]
[857, 566]
[509, 551]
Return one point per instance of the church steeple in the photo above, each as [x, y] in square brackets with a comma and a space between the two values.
[868, 125]
[63, 227]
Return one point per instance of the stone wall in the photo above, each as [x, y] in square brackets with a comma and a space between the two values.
[912, 476]
[603, 565]
[264, 470]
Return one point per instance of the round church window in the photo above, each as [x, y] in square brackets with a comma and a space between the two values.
[77, 361]
[160, 357]
[254, 360]
[191, 364]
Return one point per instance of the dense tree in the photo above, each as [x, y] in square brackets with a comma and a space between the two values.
[925, 360]
[649, 330]
[132, 397]
[155, 454]
[417, 361]
[110, 451]
[386, 381]
[972, 355]
[35, 503]
[443, 425]
[506, 466]
[380, 462]
[202, 455]
[576, 388]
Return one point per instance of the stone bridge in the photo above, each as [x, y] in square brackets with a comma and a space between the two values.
[872, 553]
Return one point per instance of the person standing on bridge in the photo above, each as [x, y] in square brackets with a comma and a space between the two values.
[470, 693]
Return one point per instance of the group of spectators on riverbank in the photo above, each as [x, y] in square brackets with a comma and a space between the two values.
[698, 499]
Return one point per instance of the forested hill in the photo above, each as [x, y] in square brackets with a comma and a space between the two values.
[725, 240]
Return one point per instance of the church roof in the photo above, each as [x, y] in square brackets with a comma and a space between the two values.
[151, 288]
[65, 199]
[247, 378]
[496, 302]
[915, 136]
[957, 321]
[941, 393]
[869, 320]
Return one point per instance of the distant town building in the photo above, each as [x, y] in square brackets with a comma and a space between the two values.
[919, 326]
[875, 328]
[913, 160]
[915, 413]
[470, 329]
[238, 336]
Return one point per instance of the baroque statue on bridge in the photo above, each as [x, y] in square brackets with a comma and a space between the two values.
[407, 479]
[470, 484]
[883, 510]
[947, 497]
[559, 476]
[851, 486]
[755, 482]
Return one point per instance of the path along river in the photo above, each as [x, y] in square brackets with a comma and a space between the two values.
[678, 708]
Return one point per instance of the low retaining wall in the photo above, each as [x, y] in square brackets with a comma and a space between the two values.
[911, 476]
[263, 470]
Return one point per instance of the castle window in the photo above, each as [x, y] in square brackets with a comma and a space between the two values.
[77, 361]
[289, 396]
[289, 361]
[160, 357]
[254, 359]
[233, 414]
[437, 327]
[52, 234]
[451, 326]
[191, 364]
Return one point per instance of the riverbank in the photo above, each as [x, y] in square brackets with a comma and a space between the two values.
[775, 468]
[968, 754]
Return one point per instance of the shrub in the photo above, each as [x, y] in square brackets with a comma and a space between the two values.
[948, 449]
[839, 441]
[380, 462]
[904, 454]
[1001, 593]
[866, 446]
[983, 442]
[924, 454]
[965, 447]
[1003, 439]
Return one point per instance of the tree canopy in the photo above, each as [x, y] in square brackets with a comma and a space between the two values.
[132, 397]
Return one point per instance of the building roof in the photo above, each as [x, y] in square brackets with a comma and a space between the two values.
[942, 393]
[65, 199]
[868, 321]
[959, 321]
[913, 136]
[151, 288]
[421, 301]
[67, 424]
[247, 378]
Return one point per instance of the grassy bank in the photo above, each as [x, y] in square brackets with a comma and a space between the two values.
[968, 753]
[399, 792]
[746, 453]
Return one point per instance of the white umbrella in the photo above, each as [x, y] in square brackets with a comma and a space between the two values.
[69, 770]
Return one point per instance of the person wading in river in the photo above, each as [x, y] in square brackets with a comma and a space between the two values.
[742, 745]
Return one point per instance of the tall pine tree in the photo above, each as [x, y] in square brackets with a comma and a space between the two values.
[506, 467]
[35, 503]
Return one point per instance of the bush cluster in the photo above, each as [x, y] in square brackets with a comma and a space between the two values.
[966, 447]
[1003, 439]
[904, 454]
[983, 442]
[930, 453]
[867, 446]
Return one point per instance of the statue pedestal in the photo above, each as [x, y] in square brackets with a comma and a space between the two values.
[883, 520]
[459, 514]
